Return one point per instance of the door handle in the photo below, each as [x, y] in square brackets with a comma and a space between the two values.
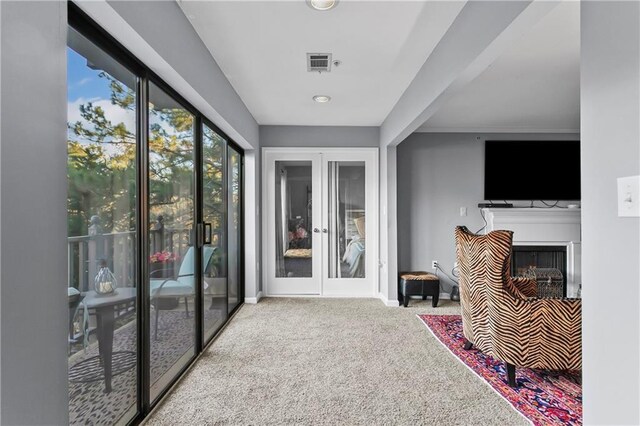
[207, 234]
[316, 230]
[324, 230]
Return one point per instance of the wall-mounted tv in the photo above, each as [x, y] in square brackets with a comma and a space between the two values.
[532, 170]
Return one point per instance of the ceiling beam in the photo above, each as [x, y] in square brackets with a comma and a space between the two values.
[482, 31]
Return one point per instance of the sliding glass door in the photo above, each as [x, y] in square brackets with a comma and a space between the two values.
[214, 253]
[234, 227]
[172, 281]
[102, 236]
[155, 231]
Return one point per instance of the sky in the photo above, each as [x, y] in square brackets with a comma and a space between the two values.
[83, 81]
[85, 85]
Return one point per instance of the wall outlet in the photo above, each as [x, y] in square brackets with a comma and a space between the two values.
[434, 264]
[463, 211]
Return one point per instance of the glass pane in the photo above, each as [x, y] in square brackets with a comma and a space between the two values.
[101, 220]
[214, 257]
[172, 255]
[234, 222]
[347, 242]
[293, 219]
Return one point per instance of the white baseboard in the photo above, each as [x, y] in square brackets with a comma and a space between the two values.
[253, 300]
[390, 303]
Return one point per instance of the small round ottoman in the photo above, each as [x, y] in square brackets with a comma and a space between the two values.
[419, 283]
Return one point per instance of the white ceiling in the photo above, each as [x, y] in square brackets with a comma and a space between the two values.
[533, 87]
[261, 47]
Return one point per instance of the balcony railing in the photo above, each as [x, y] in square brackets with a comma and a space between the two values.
[118, 250]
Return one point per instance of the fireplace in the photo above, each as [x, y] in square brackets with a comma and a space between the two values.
[544, 231]
[524, 257]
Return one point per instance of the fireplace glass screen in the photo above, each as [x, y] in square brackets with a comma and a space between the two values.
[525, 257]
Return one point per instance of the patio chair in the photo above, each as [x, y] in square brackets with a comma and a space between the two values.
[180, 286]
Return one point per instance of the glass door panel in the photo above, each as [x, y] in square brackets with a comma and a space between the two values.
[350, 207]
[234, 220]
[101, 223]
[346, 218]
[293, 224]
[214, 252]
[172, 261]
[293, 219]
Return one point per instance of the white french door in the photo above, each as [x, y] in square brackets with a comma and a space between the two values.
[320, 222]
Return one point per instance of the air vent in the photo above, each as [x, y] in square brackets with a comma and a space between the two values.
[319, 62]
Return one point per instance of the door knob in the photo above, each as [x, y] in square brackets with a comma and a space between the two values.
[316, 230]
[324, 230]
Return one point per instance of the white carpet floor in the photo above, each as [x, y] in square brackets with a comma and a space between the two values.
[301, 361]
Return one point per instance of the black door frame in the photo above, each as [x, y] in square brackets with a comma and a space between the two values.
[81, 22]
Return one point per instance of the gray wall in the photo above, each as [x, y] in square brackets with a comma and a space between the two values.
[319, 136]
[437, 174]
[33, 189]
[165, 27]
[610, 129]
[33, 195]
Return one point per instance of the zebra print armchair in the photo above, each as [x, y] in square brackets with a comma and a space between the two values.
[502, 316]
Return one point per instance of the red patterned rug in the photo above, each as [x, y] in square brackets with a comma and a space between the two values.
[543, 397]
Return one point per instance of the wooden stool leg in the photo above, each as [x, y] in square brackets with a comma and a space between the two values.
[511, 375]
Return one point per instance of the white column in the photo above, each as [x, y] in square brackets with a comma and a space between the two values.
[251, 227]
[388, 227]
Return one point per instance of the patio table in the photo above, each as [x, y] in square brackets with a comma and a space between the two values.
[104, 307]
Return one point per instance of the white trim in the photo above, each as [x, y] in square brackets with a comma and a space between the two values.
[322, 296]
[482, 379]
[426, 129]
[268, 154]
[253, 300]
[391, 304]
[251, 226]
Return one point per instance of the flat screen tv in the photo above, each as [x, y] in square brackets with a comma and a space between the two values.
[532, 170]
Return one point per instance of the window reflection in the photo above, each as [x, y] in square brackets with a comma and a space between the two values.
[172, 285]
[234, 223]
[346, 217]
[293, 195]
[101, 220]
[214, 254]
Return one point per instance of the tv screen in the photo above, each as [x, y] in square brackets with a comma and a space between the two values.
[532, 170]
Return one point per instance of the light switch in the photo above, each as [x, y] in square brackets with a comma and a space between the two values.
[463, 211]
[629, 196]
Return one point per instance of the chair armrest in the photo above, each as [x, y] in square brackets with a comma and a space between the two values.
[155, 271]
[527, 286]
[557, 329]
[156, 293]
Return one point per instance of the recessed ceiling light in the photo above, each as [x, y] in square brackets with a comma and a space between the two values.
[322, 5]
[322, 98]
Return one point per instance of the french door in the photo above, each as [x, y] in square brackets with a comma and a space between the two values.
[320, 222]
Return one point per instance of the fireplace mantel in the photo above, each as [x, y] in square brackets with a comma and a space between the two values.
[544, 227]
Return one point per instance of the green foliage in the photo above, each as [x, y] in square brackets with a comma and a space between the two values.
[102, 167]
